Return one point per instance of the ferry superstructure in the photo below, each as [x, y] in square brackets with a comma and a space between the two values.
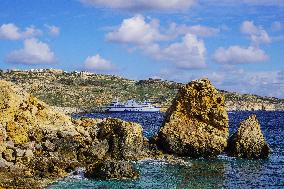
[131, 106]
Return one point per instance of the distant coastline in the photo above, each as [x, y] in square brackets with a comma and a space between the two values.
[81, 91]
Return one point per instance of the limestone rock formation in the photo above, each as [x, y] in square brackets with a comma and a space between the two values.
[39, 144]
[125, 139]
[248, 141]
[196, 124]
[32, 132]
[108, 170]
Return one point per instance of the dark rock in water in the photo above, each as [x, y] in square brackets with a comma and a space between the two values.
[125, 139]
[109, 169]
[196, 124]
[248, 141]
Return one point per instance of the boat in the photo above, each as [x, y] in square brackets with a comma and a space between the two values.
[131, 106]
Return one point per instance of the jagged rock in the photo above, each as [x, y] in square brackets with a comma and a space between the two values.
[20, 152]
[9, 155]
[196, 124]
[29, 130]
[86, 122]
[108, 170]
[49, 146]
[20, 112]
[248, 141]
[125, 139]
[99, 150]
[3, 137]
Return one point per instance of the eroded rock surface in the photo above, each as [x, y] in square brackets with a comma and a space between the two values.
[39, 145]
[196, 124]
[248, 141]
[109, 169]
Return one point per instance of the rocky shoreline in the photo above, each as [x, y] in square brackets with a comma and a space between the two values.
[39, 144]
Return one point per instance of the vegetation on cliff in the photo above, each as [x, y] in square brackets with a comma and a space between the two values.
[87, 91]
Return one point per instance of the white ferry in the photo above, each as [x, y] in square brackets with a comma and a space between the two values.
[131, 106]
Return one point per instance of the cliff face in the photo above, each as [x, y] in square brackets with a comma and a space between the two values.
[39, 144]
[75, 92]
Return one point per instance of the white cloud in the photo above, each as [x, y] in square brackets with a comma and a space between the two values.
[53, 30]
[135, 30]
[278, 3]
[147, 37]
[11, 32]
[198, 30]
[97, 63]
[34, 52]
[134, 5]
[239, 55]
[257, 34]
[188, 54]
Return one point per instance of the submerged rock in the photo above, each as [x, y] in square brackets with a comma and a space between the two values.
[109, 169]
[196, 124]
[248, 141]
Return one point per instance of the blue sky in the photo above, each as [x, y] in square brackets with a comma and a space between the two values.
[239, 45]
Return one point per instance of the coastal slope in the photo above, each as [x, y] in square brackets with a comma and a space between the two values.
[84, 91]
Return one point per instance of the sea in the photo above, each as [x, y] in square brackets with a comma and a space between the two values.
[222, 172]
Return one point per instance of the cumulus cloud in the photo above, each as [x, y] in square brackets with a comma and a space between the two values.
[53, 30]
[134, 5]
[34, 52]
[135, 30]
[257, 34]
[188, 54]
[97, 63]
[11, 32]
[162, 44]
[139, 30]
[239, 55]
[198, 30]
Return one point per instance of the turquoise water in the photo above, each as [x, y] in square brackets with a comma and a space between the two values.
[223, 172]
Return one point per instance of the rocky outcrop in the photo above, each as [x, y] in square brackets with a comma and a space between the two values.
[39, 144]
[108, 170]
[248, 141]
[196, 124]
[125, 139]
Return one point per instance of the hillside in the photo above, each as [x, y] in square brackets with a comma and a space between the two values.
[78, 91]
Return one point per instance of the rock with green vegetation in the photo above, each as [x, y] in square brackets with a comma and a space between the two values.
[248, 141]
[109, 170]
[196, 124]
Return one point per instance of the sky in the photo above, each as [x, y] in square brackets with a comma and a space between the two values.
[237, 44]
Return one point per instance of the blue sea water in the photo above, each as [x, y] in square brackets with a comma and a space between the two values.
[223, 172]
